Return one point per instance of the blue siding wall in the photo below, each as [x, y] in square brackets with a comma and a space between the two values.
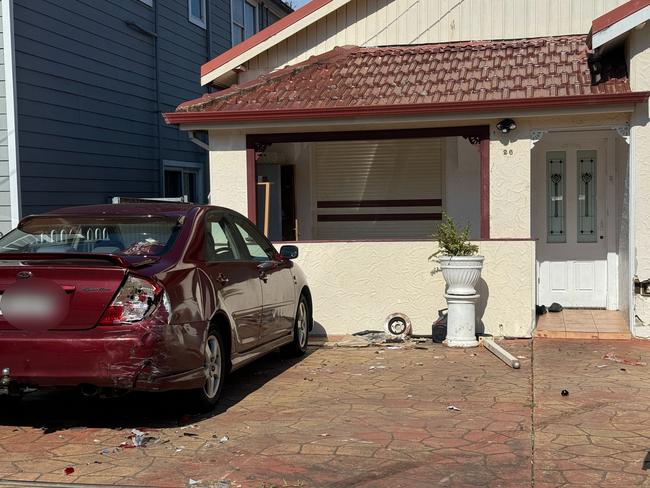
[88, 111]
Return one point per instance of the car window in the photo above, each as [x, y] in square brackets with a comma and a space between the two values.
[119, 234]
[218, 240]
[257, 247]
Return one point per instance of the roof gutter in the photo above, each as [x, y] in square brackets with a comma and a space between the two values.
[403, 110]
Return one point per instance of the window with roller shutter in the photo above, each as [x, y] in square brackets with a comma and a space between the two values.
[380, 189]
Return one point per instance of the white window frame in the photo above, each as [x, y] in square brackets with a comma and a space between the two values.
[188, 166]
[200, 21]
[256, 27]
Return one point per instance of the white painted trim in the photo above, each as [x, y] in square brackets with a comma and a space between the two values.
[273, 40]
[201, 22]
[12, 115]
[632, 195]
[621, 27]
[611, 224]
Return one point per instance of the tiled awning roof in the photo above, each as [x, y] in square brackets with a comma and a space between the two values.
[443, 77]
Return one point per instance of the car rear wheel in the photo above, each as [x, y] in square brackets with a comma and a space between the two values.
[214, 367]
[298, 346]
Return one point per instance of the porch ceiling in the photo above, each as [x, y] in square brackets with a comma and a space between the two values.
[464, 76]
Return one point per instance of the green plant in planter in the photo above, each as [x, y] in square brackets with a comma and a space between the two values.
[453, 241]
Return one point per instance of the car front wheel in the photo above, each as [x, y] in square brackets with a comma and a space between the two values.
[298, 346]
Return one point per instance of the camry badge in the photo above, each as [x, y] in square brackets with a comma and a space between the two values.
[23, 275]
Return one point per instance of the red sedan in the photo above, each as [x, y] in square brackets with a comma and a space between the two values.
[152, 296]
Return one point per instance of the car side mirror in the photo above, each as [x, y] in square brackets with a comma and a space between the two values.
[289, 252]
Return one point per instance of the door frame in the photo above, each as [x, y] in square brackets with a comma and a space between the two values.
[606, 139]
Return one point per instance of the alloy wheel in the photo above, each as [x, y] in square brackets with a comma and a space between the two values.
[212, 367]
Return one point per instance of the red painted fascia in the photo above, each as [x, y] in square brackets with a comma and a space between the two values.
[263, 35]
[616, 15]
[404, 110]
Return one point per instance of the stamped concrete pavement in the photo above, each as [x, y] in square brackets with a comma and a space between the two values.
[369, 417]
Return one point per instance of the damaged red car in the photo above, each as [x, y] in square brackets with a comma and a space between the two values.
[153, 296]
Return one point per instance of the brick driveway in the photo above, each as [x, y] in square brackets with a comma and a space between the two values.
[362, 418]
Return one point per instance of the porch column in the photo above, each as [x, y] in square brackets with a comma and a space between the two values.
[232, 179]
[510, 183]
[639, 175]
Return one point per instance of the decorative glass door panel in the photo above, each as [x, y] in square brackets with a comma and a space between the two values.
[556, 203]
[587, 189]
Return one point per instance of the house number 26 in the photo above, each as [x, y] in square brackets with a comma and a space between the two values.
[507, 152]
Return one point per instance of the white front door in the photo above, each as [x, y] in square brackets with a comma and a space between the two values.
[569, 216]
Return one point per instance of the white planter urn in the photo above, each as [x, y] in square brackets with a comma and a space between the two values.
[461, 274]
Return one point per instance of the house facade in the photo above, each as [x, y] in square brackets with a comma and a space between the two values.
[84, 84]
[352, 125]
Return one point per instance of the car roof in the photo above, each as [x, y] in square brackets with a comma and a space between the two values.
[153, 208]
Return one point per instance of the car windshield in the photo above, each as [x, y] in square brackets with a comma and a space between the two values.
[129, 236]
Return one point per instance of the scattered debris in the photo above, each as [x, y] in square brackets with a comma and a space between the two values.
[69, 470]
[564, 392]
[521, 357]
[500, 352]
[419, 364]
[192, 482]
[190, 434]
[324, 435]
[610, 356]
[223, 484]
[453, 408]
[139, 439]
[601, 365]
[555, 307]
[224, 439]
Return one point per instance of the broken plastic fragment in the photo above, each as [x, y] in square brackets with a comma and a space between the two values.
[610, 356]
[453, 408]
[192, 482]
[224, 439]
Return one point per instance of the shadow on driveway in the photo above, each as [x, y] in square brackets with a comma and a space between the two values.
[54, 410]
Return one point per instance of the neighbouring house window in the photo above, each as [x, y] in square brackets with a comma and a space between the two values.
[271, 18]
[556, 203]
[196, 10]
[183, 180]
[244, 20]
[587, 196]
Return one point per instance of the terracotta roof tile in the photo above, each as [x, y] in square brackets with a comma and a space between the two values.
[434, 73]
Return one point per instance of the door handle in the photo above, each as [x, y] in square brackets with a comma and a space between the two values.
[263, 267]
[223, 279]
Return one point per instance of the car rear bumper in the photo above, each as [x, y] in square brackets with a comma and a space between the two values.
[144, 357]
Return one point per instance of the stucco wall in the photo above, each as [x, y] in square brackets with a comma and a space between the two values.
[510, 184]
[639, 52]
[356, 285]
[228, 177]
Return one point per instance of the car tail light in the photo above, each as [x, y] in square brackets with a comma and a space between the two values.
[136, 298]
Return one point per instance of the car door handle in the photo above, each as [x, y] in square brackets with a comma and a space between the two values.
[223, 279]
[263, 268]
